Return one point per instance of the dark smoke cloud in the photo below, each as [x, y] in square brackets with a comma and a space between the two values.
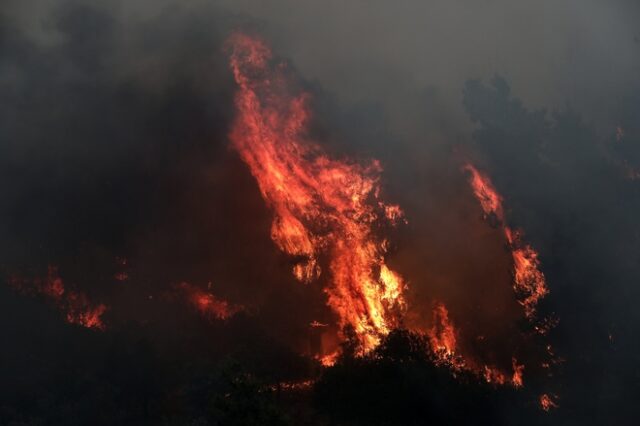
[113, 143]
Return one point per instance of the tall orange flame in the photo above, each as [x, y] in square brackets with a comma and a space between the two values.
[321, 205]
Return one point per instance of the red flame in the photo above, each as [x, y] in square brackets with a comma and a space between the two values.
[80, 311]
[442, 335]
[75, 305]
[443, 341]
[330, 210]
[207, 304]
[321, 205]
[547, 402]
[518, 369]
[529, 282]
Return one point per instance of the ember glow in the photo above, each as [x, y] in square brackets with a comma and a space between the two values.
[518, 369]
[208, 305]
[528, 281]
[76, 306]
[547, 402]
[322, 206]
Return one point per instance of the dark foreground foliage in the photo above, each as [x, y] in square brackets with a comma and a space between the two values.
[401, 384]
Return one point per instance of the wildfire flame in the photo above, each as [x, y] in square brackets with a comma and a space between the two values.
[207, 304]
[321, 205]
[443, 342]
[328, 360]
[327, 215]
[442, 335]
[547, 403]
[529, 282]
[76, 306]
[518, 369]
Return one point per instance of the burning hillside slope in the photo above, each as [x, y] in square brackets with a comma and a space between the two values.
[322, 206]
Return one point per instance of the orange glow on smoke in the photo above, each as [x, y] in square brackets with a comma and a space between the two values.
[321, 205]
[76, 306]
[528, 281]
[207, 304]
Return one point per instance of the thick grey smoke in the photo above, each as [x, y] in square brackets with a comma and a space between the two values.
[582, 52]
